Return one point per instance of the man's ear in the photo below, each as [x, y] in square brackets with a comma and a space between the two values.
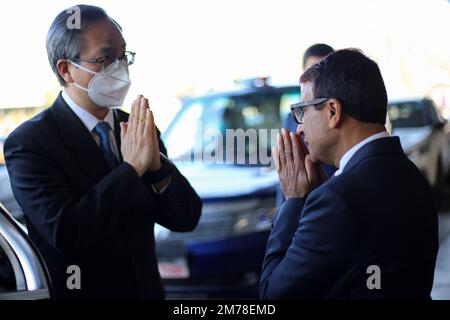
[62, 65]
[335, 113]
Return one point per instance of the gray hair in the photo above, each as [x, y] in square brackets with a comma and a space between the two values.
[64, 37]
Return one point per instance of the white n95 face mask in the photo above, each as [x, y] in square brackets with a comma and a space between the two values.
[109, 87]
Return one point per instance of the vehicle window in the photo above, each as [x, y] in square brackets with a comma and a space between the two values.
[202, 116]
[407, 114]
[183, 135]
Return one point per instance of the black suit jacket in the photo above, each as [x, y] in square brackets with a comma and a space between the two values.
[79, 212]
[379, 211]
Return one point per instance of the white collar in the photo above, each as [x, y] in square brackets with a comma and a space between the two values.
[350, 153]
[88, 119]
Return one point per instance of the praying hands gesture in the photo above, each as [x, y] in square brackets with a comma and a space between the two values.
[140, 147]
[298, 174]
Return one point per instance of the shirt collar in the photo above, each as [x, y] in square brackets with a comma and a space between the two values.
[349, 154]
[88, 119]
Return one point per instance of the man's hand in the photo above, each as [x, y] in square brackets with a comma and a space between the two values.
[298, 174]
[139, 145]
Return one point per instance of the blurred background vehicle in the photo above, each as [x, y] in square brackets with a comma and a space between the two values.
[424, 135]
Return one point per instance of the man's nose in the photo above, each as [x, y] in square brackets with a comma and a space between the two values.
[300, 129]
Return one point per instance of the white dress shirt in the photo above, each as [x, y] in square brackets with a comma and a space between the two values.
[350, 153]
[90, 121]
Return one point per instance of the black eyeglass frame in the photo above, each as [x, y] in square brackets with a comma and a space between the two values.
[128, 57]
[298, 109]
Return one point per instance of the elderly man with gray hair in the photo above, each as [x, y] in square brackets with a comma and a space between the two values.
[91, 179]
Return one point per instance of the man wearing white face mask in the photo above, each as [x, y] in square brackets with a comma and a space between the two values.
[93, 180]
[109, 87]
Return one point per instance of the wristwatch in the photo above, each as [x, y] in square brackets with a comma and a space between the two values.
[161, 173]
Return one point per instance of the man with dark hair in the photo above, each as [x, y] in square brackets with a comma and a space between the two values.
[314, 53]
[90, 178]
[370, 231]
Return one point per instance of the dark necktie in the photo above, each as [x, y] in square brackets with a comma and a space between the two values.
[102, 129]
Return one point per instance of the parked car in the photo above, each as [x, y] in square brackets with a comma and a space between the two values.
[222, 257]
[23, 274]
[424, 135]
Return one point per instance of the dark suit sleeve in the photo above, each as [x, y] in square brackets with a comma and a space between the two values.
[309, 247]
[179, 206]
[68, 223]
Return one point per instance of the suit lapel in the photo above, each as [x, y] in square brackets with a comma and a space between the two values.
[79, 141]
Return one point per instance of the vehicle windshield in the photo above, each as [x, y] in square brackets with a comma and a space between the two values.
[407, 114]
[210, 125]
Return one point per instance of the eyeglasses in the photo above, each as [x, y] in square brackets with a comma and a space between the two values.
[298, 109]
[128, 58]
